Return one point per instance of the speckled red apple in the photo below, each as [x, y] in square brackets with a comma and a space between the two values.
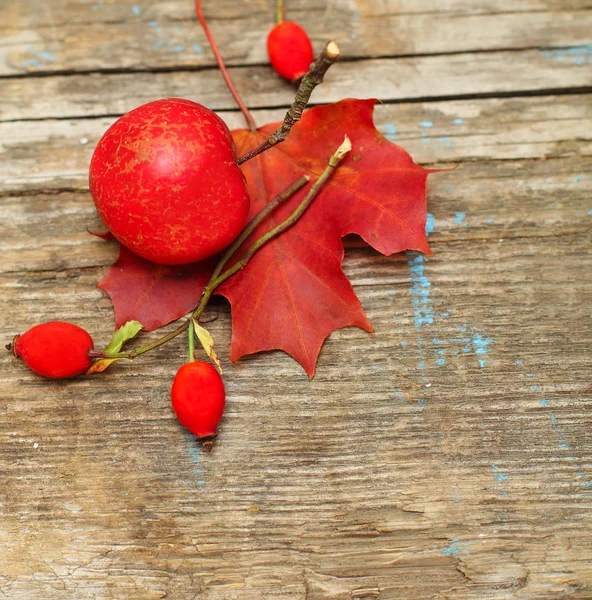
[165, 181]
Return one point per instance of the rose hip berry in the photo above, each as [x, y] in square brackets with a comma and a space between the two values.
[166, 184]
[55, 349]
[289, 50]
[198, 398]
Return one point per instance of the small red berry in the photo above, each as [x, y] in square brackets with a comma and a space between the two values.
[289, 50]
[198, 398]
[55, 349]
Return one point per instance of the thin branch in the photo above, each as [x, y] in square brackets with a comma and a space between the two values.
[309, 82]
[250, 227]
[279, 11]
[248, 116]
[191, 334]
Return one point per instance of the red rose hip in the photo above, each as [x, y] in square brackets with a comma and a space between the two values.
[289, 50]
[165, 182]
[55, 349]
[198, 398]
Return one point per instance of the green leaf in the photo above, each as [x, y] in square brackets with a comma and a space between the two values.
[125, 333]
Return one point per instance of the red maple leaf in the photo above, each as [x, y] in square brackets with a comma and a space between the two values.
[293, 293]
[153, 294]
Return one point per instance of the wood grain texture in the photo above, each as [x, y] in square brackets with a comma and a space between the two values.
[46, 37]
[446, 456]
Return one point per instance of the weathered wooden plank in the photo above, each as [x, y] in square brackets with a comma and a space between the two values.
[44, 231]
[388, 476]
[433, 77]
[148, 35]
[56, 154]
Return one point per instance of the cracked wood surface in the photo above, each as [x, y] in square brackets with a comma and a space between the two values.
[448, 455]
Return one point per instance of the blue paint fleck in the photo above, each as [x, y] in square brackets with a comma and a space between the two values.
[376, 369]
[356, 14]
[390, 131]
[590, 212]
[136, 10]
[543, 402]
[430, 223]
[197, 48]
[499, 476]
[529, 374]
[463, 328]
[441, 362]
[195, 454]
[446, 140]
[437, 341]
[535, 387]
[459, 218]
[458, 547]
[578, 178]
[426, 124]
[159, 44]
[423, 314]
[153, 24]
[576, 55]
[403, 344]
[480, 345]
[178, 48]
[489, 221]
[426, 140]
[518, 362]
[564, 445]
[459, 121]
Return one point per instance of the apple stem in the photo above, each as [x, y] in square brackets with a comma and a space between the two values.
[279, 12]
[248, 116]
[309, 82]
[218, 277]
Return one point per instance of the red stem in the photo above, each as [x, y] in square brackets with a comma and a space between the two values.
[248, 117]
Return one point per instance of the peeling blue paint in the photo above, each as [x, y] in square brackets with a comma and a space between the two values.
[481, 347]
[459, 219]
[459, 121]
[197, 48]
[498, 475]
[518, 362]
[576, 55]
[543, 402]
[423, 314]
[136, 10]
[426, 124]
[390, 131]
[430, 223]
[441, 362]
[195, 454]
[458, 547]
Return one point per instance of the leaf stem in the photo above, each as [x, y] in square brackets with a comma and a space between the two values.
[248, 116]
[218, 277]
[309, 82]
[279, 12]
[191, 334]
